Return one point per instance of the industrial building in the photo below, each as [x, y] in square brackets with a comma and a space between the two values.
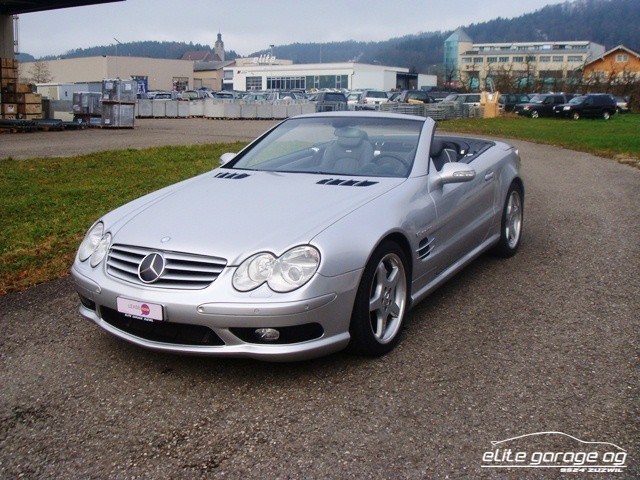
[470, 64]
[349, 75]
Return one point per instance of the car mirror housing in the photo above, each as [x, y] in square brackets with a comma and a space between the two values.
[227, 157]
[456, 172]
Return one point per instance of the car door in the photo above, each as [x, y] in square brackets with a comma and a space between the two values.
[464, 212]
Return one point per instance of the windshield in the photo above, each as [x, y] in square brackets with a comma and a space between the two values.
[355, 146]
[577, 100]
[538, 99]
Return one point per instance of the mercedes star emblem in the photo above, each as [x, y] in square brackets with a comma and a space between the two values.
[151, 268]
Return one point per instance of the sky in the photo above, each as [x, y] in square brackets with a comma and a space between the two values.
[250, 26]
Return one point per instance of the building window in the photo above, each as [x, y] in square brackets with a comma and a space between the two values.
[518, 59]
[228, 74]
[545, 59]
[531, 58]
[622, 57]
[574, 58]
[558, 58]
[253, 83]
[180, 84]
[492, 59]
[478, 60]
[504, 60]
[466, 60]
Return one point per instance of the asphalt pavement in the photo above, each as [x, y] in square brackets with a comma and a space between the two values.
[547, 341]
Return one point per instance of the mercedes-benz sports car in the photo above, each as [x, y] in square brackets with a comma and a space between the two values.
[320, 234]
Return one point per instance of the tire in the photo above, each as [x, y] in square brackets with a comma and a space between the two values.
[382, 302]
[535, 114]
[575, 116]
[606, 115]
[512, 223]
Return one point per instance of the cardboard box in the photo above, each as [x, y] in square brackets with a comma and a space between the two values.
[9, 73]
[29, 108]
[22, 88]
[9, 116]
[9, 108]
[32, 116]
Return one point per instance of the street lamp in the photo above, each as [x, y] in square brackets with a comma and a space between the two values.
[270, 66]
[118, 42]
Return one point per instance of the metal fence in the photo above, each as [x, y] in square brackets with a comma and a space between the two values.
[437, 111]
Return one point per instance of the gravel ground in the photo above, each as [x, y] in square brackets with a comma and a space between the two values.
[545, 341]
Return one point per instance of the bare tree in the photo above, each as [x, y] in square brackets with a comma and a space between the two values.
[39, 72]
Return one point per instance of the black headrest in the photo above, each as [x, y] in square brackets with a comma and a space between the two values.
[436, 148]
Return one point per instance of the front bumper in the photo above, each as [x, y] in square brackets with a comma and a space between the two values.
[218, 321]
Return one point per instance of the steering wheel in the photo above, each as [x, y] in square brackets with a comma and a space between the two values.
[397, 158]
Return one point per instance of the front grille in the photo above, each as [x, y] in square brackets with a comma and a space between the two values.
[182, 270]
[163, 332]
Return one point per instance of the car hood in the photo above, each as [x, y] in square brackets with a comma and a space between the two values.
[233, 214]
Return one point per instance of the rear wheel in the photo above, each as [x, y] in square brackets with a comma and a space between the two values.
[606, 115]
[512, 221]
[535, 114]
[381, 302]
[575, 116]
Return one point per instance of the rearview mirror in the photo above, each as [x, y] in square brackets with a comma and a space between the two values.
[227, 157]
[456, 172]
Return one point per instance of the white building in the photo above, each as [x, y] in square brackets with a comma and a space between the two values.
[310, 76]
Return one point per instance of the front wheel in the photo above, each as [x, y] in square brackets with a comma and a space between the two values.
[512, 222]
[575, 116]
[535, 114]
[606, 115]
[381, 302]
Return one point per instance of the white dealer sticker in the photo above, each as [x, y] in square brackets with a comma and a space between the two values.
[142, 310]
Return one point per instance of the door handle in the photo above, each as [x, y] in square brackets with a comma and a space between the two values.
[489, 176]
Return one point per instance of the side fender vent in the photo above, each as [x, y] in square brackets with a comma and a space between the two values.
[425, 247]
[346, 183]
[232, 176]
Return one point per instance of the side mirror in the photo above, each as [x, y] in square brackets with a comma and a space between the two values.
[227, 157]
[456, 172]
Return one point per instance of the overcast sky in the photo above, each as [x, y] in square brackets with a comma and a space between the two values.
[249, 26]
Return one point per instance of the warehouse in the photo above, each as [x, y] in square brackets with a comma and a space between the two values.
[348, 75]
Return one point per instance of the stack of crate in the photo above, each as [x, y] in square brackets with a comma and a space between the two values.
[118, 103]
[17, 100]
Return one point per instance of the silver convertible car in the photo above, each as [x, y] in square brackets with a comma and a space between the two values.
[319, 235]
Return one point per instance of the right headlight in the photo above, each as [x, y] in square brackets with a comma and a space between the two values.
[91, 241]
[282, 274]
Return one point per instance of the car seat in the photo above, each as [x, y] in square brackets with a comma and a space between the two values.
[348, 153]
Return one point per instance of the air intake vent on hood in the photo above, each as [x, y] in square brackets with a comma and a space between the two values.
[234, 176]
[346, 183]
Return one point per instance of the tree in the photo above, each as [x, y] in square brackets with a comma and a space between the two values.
[39, 72]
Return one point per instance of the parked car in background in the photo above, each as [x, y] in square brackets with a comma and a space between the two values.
[508, 101]
[439, 96]
[402, 210]
[353, 99]
[330, 101]
[466, 98]
[599, 105]
[622, 103]
[393, 96]
[164, 95]
[415, 96]
[254, 97]
[541, 105]
[372, 99]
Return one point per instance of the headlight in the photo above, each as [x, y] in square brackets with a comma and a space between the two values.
[101, 250]
[95, 245]
[566, 108]
[91, 241]
[284, 274]
[525, 108]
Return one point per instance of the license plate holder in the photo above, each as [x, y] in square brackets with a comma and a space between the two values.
[141, 310]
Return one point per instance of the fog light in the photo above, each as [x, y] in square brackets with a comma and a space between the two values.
[267, 334]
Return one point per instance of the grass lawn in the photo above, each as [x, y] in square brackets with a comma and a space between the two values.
[617, 138]
[47, 205]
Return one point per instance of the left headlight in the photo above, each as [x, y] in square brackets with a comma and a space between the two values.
[283, 274]
[95, 245]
